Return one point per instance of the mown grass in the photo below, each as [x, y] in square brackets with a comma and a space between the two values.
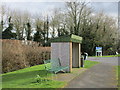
[112, 55]
[88, 63]
[118, 75]
[107, 56]
[26, 78]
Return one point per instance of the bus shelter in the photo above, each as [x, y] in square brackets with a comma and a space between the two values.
[68, 50]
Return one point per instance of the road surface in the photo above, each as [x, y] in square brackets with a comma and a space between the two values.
[101, 75]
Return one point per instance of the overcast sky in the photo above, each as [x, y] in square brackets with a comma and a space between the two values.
[110, 8]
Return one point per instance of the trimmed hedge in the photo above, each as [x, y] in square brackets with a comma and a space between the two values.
[16, 55]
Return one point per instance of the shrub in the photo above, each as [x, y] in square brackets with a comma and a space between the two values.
[35, 55]
[16, 55]
[13, 57]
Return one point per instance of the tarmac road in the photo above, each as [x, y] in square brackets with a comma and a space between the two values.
[106, 60]
[102, 75]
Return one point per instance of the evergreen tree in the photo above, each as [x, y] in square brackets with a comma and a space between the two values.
[28, 31]
[7, 33]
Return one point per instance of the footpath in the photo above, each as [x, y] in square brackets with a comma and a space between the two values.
[102, 75]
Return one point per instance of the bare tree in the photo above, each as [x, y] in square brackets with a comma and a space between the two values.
[3, 16]
[58, 22]
[75, 11]
[22, 23]
[42, 29]
[55, 22]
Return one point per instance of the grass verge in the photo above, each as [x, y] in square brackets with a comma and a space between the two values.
[108, 56]
[27, 77]
[88, 63]
[118, 75]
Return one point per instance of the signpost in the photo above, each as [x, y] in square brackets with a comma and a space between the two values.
[98, 51]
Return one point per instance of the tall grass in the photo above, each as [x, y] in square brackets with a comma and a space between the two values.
[16, 55]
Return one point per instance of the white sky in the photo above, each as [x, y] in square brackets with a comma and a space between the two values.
[57, 0]
[110, 7]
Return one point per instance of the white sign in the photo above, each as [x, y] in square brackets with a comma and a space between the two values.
[98, 51]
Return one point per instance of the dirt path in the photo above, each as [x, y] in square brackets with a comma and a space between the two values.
[99, 76]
